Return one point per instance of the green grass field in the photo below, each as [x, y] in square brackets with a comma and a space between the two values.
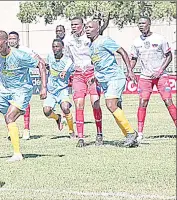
[54, 169]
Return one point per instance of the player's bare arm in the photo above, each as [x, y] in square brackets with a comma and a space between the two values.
[168, 59]
[105, 24]
[126, 60]
[42, 70]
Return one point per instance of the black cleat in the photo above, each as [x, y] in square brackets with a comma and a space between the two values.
[80, 143]
[9, 138]
[99, 140]
[72, 135]
[131, 140]
[59, 123]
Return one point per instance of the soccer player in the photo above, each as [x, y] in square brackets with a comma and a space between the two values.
[77, 47]
[155, 55]
[60, 32]
[60, 68]
[111, 77]
[14, 41]
[18, 88]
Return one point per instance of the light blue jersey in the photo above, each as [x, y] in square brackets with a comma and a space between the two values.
[14, 69]
[102, 53]
[55, 83]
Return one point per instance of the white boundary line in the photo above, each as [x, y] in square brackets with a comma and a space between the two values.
[91, 194]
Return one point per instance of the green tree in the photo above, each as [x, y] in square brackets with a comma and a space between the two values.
[122, 12]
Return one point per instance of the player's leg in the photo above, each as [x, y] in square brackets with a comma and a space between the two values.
[64, 101]
[26, 132]
[164, 89]
[48, 106]
[145, 87]
[19, 101]
[11, 116]
[113, 93]
[79, 88]
[95, 92]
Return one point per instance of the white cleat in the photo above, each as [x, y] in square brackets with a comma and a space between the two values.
[26, 134]
[140, 138]
[15, 157]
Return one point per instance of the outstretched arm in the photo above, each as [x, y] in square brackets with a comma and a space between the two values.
[42, 71]
[105, 24]
[126, 60]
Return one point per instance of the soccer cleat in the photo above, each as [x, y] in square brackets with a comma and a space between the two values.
[72, 135]
[99, 140]
[9, 138]
[139, 138]
[15, 157]
[26, 134]
[131, 140]
[59, 123]
[80, 143]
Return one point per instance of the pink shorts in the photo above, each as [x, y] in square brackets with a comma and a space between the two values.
[145, 87]
[81, 86]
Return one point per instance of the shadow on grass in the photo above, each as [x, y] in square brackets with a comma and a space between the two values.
[2, 183]
[66, 136]
[116, 143]
[161, 136]
[36, 155]
[34, 137]
[87, 122]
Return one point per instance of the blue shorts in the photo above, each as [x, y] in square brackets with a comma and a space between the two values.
[113, 88]
[52, 100]
[19, 98]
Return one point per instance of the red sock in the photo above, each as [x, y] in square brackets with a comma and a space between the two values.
[80, 122]
[172, 111]
[141, 118]
[98, 119]
[27, 118]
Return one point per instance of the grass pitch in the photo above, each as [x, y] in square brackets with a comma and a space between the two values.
[54, 169]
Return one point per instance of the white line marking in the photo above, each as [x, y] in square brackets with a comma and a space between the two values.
[93, 194]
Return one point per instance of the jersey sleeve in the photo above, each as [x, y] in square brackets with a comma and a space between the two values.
[134, 52]
[28, 61]
[111, 45]
[165, 46]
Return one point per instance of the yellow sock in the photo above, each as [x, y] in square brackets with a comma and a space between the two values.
[122, 121]
[14, 135]
[69, 119]
[53, 116]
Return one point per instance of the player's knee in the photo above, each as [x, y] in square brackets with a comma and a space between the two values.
[111, 107]
[143, 102]
[9, 118]
[168, 102]
[79, 105]
[65, 109]
[47, 111]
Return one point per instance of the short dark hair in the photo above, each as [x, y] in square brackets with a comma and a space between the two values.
[58, 40]
[78, 18]
[146, 17]
[3, 35]
[60, 26]
[14, 33]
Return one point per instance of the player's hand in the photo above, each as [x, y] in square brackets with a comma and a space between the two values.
[157, 74]
[132, 77]
[43, 93]
[91, 81]
[63, 74]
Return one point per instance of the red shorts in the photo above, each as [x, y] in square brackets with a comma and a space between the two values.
[145, 87]
[81, 86]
